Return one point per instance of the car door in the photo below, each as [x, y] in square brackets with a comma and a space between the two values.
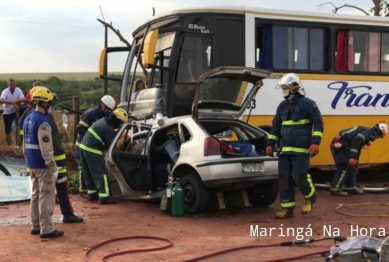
[127, 158]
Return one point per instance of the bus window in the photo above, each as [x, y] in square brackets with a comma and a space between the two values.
[385, 53]
[195, 58]
[155, 77]
[359, 51]
[298, 48]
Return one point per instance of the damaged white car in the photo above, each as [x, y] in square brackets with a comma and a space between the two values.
[218, 150]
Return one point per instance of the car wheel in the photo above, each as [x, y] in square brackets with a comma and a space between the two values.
[263, 195]
[196, 196]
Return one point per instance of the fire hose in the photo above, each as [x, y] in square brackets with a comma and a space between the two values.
[93, 247]
[170, 244]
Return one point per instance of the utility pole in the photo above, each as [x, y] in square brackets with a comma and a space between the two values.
[106, 61]
[106, 56]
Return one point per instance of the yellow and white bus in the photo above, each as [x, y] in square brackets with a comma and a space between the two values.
[343, 61]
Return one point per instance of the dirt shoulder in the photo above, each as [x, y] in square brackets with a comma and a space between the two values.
[192, 236]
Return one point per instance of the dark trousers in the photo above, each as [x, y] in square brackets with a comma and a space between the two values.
[78, 160]
[8, 119]
[63, 198]
[95, 173]
[293, 170]
[345, 176]
[161, 174]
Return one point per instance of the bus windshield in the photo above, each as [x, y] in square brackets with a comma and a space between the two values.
[135, 69]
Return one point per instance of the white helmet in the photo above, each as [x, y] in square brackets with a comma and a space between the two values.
[109, 101]
[290, 83]
[382, 129]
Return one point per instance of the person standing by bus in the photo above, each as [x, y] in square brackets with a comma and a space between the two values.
[62, 184]
[295, 118]
[139, 86]
[107, 104]
[96, 141]
[39, 153]
[11, 97]
[346, 148]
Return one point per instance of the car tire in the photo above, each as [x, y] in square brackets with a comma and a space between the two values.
[263, 195]
[196, 196]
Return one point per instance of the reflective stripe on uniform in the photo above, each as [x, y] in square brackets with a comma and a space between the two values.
[339, 182]
[273, 137]
[90, 130]
[318, 133]
[83, 123]
[31, 146]
[62, 179]
[92, 150]
[106, 188]
[361, 136]
[288, 204]
[21, 132]
[62, 170]
[60, 157]
[298, 122]
[90, 192]
[295, 149]
[310, 182]
[78, 143]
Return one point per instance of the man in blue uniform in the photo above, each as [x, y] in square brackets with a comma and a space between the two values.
[62, 184]
[107, 104]
[96, 141]
[292, 127]
[39, 153]
[346, 149]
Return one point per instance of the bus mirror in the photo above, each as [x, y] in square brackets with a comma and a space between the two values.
[149, 48]
[101, 62]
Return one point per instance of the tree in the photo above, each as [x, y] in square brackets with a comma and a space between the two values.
[380, 8]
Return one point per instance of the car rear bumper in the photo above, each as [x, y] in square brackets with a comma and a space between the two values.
[229, 172]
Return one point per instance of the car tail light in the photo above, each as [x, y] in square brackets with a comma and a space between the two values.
[211, 147]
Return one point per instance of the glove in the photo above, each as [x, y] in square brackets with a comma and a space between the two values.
[336, 144]
[313, 150]
[269, 151]
[353, 162]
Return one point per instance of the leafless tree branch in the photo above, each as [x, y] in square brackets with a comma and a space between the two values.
[336, 8]
[116, 31]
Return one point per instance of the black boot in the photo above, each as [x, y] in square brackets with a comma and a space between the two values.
[107, 200]
[72, 219]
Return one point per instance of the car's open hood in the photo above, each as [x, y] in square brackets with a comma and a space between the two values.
[226, 92]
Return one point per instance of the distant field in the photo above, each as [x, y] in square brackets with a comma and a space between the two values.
[77, 76]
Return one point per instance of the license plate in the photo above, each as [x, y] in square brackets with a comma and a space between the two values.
[254, 167]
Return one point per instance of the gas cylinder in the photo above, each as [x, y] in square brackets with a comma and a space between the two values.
[177, 200]
[169, 187]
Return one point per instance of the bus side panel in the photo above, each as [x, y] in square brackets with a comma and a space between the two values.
[374, 154]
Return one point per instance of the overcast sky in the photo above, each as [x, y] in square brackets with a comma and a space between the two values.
[64, 36]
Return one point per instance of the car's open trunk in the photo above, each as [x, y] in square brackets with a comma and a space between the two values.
[236, 137]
